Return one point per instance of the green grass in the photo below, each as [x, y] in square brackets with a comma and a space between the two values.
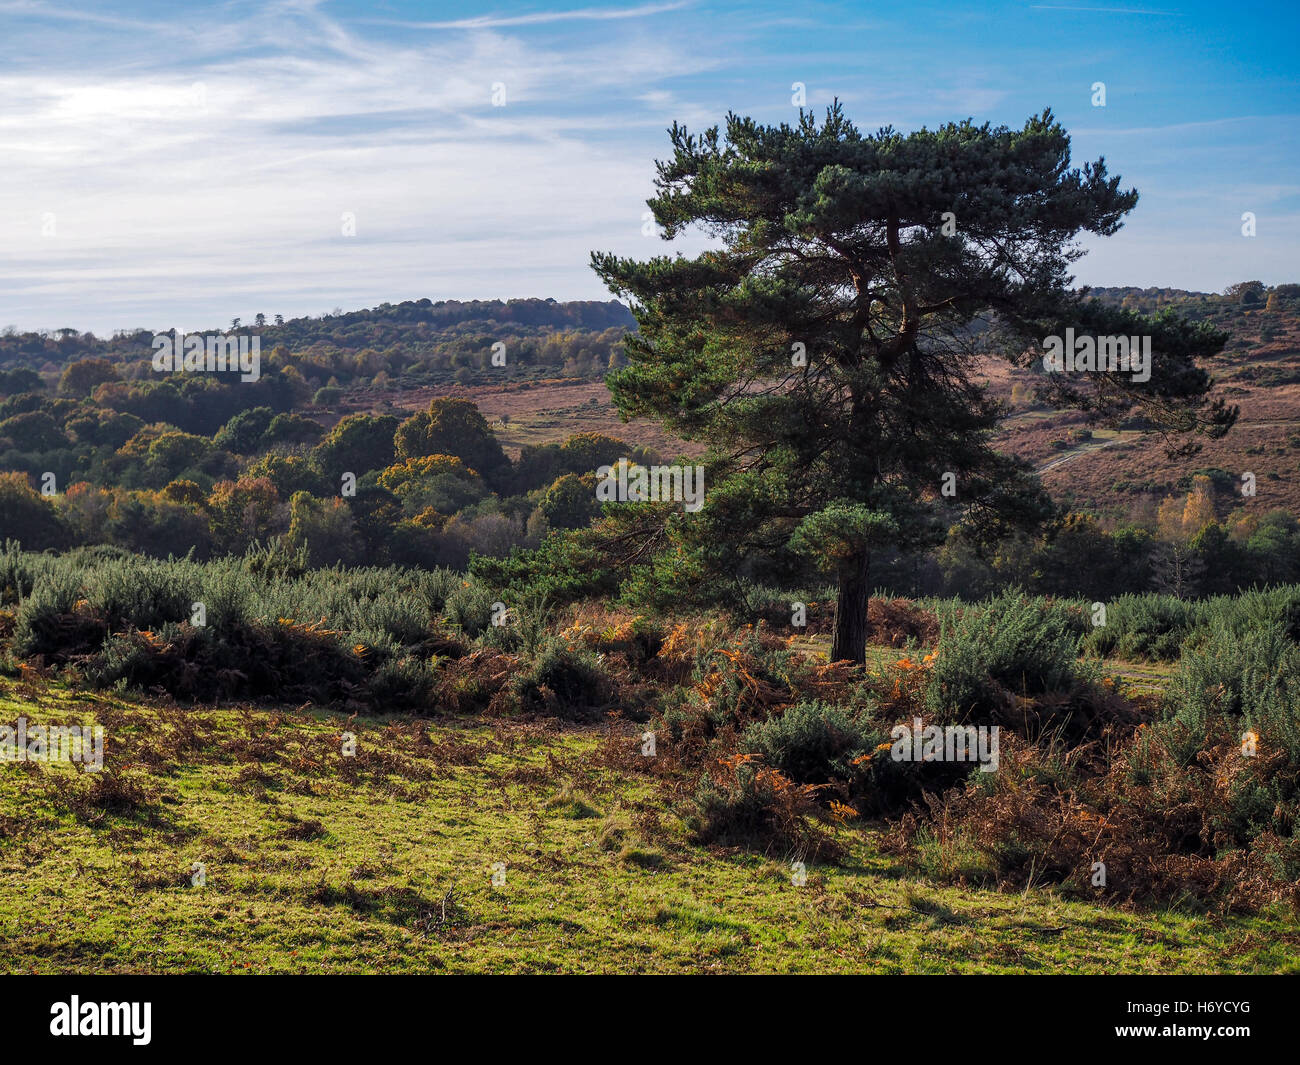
[383, 863]
[878, 655]
[1140, 678]
[535, 429]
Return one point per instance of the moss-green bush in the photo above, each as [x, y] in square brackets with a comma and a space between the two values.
[811, 743]
[1012, 644]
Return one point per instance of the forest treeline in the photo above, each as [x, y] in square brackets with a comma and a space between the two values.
[96, 449]
[416, 342]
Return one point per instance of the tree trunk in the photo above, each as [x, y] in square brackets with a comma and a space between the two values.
[851, 625]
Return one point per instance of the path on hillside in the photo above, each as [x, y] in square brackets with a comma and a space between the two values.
[1094, 445]
[1061, 460]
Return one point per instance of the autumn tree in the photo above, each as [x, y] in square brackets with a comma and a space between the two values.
[325, 529]
[454, 427]
[570, 503]
[358, 444]
[1248, 292]
[27, 516]
[442, 482]
[85, 375]
[827, 348]
[246, 512]
[1198, 511]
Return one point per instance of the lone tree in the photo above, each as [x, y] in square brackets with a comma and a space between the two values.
[828, 348]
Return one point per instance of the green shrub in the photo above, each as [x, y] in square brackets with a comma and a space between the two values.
[229, 595]
[469, 608]
[269, 630]
[401, 682]
[1011, 644]
[757, 807]
[1251, 676]
[42, 626]
[17, 575]
[435, 587]
[563, 681]
[1143, 627]
[1256, 609]
[398, 618]
[137, 593]
[562, 569]
[811, 743]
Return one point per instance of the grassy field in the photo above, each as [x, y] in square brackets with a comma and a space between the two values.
[383, 862]
[1141, 678]
[538, 412]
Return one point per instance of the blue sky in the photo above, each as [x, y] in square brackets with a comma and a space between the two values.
[172, 164]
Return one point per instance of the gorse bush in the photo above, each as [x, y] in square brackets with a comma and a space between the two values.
[402, 621]
[277, 558]
[743, 804]
[1251, 677]
[1200, 803]
[564, 681]
[1255, 609]
[143, 593]
[1158, 626]
[46, 624]
[401, 681]
[132, 592]
[17, 575]
[269, 629]
[811, 743]
[526, 627]
[1011, 645]
[230, 595]
[1143, 626]
[469, 609]
[435, 587]
[532, 623]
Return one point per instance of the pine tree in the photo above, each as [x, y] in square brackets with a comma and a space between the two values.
[828, 349]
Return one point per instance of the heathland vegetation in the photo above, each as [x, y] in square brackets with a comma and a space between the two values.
[361, 646]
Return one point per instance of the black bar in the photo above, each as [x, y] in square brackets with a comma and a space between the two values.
[282, 1011]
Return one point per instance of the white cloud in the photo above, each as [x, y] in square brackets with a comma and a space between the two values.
[538, 18]
[213, 186]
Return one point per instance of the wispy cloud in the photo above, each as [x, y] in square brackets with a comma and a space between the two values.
[187, 171]
[539, 18]
[194, 188]
[33, 9]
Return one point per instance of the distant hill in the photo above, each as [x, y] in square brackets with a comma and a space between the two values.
[421, 340]
[1126, 474]
[391, 323]
[395, 357]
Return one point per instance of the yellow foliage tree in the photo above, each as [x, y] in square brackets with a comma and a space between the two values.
[1179, 518]
[1169, 518]
[1198, 512]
